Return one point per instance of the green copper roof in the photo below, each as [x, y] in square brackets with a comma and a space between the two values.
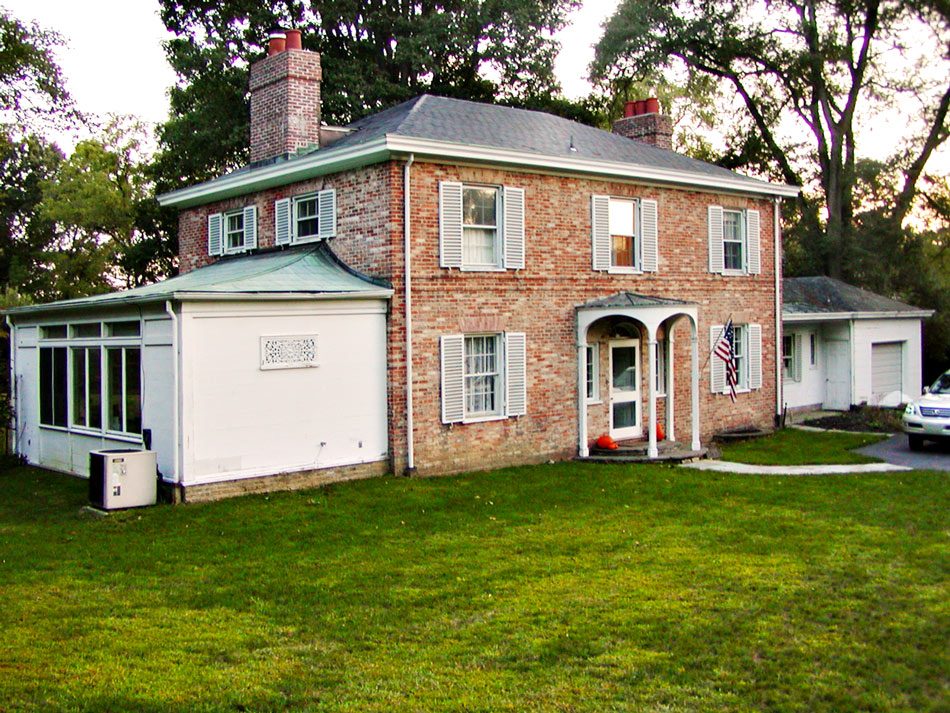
[313, 271]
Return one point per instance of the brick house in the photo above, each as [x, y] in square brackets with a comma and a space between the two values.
[510, 284]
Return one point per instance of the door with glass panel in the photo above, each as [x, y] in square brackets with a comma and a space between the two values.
[625, 421]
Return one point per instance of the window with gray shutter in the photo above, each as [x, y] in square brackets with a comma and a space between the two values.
[754, 266]
[453, 378]
[250, 227]
[717, 367]
[648, 232]
[515, 374]
[282, 234]
[714, 226]
[326, 200]
[755, 356]
[450, 224]
[215, 240]
[600, 231]
[514, 228]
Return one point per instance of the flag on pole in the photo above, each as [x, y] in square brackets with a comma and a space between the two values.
[725, 350]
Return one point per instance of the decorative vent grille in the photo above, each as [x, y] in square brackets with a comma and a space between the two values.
[290, 352]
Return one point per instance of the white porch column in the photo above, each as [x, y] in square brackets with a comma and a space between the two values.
[652, 451]
[582, 449]
[695, 389]
[670, 434]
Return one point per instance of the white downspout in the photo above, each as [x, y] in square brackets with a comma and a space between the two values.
[777, 233]
[407, 247]
[14, 406]
[176, 410]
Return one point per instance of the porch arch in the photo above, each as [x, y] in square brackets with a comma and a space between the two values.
[651, 312]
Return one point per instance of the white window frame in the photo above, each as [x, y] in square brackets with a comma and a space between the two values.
[592, 371]
[791, 357]
[296, 218]
[105, 342]
[614, 205]
[509, 377]
[742, 242]
[644, 234]
[740, 346]
[472, 375]
[287, 217]
[495, 265]
[226, 232]
[812, 350]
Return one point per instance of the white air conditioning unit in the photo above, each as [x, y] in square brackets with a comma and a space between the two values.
[122, 478]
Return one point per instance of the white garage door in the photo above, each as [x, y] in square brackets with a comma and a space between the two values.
[886, 370]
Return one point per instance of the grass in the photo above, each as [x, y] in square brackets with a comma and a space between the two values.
[794, 446]
[569, 587]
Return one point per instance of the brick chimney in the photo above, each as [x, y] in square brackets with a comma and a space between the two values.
[285, 98]
[643, 121]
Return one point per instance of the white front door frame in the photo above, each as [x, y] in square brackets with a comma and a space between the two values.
[618, 396]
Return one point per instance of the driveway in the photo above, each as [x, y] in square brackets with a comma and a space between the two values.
[934, 456]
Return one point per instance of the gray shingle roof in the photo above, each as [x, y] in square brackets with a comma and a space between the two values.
[309, 270]
[818, 295]
[476, 124]
[631, 299]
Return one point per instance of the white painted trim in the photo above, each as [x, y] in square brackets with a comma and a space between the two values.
[335, 160]
[841, 316]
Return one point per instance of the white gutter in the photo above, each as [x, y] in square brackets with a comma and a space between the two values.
[176, 411]
[407, 247]
[777, 259]
[380, 149]
[14, 406]
[841, 316]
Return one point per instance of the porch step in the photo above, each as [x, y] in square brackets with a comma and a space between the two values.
[636, 452]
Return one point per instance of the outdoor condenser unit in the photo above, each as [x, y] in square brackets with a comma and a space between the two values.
[122, 478]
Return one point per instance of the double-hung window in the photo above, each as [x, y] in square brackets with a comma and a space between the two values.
[747, 351]
[661, 377]
[483, 376]
[232, 232]
[624, 234]
[481, 227]
[305, 218]
[734, 241]
[593, 372]
[91, 381]
[791, 357]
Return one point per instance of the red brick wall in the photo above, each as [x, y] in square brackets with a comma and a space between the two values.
[539, 300]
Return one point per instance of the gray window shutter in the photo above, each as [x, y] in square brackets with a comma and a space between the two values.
[250, 227]
[516, 385]
[282, 221]
[717, 367]
[755, 356]
[450, 224]
[326, 209]
[453, 378]
[215, 240]
[600, 231]
[514, 228]
[648, 235]
[752, 240]
[716, 255]
[797, 359]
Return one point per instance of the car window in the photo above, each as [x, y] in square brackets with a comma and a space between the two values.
[941, 385]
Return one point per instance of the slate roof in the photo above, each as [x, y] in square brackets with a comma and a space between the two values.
[824, 295]
[631, 299]
[309, 270]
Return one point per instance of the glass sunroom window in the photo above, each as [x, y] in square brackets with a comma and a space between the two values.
[124, 389]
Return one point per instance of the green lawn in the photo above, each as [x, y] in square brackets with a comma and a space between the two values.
[794, 446]
[554, 588]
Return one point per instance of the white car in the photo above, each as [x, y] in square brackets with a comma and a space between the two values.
[928, 418]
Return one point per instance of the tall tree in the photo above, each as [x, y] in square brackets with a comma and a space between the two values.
[375, 53]
[827, 64]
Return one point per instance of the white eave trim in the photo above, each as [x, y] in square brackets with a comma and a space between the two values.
[52, 307]
[332, 160]
[842, 316]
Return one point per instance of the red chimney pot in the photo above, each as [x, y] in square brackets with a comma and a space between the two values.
[293, 40]
[628, 109]
[652, 106]
[641, 107]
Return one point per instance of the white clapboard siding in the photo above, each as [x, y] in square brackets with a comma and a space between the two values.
[215, 239]
[714, 223]
[600, 231]
[648, 229]
[453, 378]
[514, 228]
[282, 234]
[516, 401]
[450, 224]
[752, 238]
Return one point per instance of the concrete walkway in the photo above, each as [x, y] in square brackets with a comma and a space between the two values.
[722, 466]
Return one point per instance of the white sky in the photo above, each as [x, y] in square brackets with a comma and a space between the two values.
[114, 63]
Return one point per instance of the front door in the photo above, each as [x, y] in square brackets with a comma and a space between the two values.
[625, 421]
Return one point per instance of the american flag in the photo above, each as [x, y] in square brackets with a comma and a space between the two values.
[725, 350]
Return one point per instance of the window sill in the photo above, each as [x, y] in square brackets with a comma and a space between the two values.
[307, 239]
[475, 268]
[593, 402]
[734, 273]
[484, 419]
[93, 433]
[234, 251]
[624, 271]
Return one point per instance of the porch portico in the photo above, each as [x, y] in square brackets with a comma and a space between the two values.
[652, 315]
